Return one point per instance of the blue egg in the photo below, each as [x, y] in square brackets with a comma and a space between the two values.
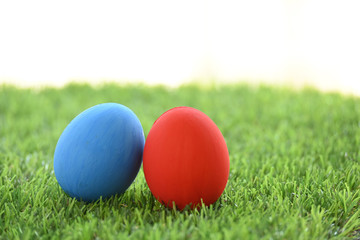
[100, 152]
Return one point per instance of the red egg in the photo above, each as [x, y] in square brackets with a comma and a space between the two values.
[186, 160]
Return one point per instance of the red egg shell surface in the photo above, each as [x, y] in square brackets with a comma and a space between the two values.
[185, 159]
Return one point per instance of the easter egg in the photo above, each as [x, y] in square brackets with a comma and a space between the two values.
[186, 160]
[100, 152]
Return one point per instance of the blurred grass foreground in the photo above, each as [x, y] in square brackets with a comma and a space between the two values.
[294, 165]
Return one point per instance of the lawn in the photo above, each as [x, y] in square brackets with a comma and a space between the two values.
[294, 165]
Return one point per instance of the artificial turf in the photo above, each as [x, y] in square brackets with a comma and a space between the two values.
[294, 165]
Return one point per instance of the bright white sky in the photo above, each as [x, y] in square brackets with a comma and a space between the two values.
[161, 41]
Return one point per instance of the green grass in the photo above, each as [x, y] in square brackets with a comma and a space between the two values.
[294, 174]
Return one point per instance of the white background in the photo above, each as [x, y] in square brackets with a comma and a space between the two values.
[295, 42]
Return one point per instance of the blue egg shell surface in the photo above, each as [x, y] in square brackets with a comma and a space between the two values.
[100, 152]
